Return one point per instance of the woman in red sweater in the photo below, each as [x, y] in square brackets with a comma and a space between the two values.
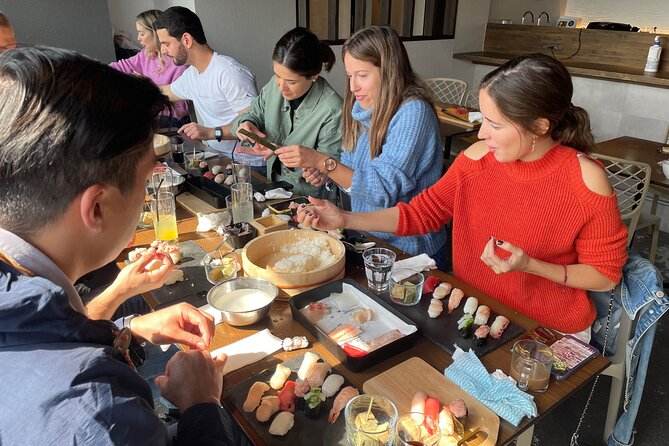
[535, 222]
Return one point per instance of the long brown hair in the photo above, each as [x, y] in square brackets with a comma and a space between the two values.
[535, 86]
[382, 47]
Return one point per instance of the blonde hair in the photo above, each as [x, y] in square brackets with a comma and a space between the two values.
[382, 47]
[145, 20]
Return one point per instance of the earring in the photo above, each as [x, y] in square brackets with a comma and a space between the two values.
[534, 143]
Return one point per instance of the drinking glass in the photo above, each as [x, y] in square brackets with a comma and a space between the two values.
[408, 431]
[240, 202]
[531, 363]
[371, 418]
[241, 170]
[163, 209]
[193, 159]
[220, 266]
[378, 264]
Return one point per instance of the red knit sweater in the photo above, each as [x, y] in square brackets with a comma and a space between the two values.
[542, 207]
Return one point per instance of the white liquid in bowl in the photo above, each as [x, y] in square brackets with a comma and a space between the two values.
[244, 299]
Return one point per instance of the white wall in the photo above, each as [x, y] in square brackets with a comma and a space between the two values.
[639, 13]
[80, 25]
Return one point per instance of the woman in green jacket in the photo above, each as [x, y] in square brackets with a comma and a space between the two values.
[297, 107]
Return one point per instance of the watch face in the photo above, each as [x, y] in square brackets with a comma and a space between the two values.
[330, 164]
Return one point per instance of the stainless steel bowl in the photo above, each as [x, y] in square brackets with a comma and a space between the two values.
[246, 317]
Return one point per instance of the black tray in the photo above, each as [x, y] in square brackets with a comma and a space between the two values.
[306, 431]
[354, 364]
[443, 330]
[207, 190]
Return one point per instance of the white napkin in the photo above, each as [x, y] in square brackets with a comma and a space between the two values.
[208, 154]
[216, 314]
[278, 193]
[421, 262]
[248, 350]
[475, 116]
[259, 197]
[211, 222]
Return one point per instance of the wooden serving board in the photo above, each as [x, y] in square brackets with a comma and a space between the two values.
[401, 382]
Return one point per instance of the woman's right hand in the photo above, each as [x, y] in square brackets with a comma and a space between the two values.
[322, 215]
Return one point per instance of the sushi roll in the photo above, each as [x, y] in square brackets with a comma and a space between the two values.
[481, 334]
[313, 401]
[498, 326]
[465, 325]
[482, 315]
[435, 308]
[470, 305]
[454, 301]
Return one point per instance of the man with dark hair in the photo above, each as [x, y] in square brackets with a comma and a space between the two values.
[7, 39]
[74, 159]
[220, 87]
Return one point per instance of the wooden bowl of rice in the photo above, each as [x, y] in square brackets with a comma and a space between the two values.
[295, 259]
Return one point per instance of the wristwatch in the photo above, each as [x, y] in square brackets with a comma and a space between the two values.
[330, 164]
[218, 133]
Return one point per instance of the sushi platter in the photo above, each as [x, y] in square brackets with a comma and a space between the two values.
[401, 382]
[443, 330]
[306, 428]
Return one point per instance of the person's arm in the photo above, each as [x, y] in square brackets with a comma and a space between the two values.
[197, 131]
[324, 215]
[130, 65]
[306, 157]
[131, 280]
[167, 91]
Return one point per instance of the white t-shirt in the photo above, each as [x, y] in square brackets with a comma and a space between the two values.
[219, 93]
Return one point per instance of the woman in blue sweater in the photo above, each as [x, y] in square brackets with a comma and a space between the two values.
[392, 148]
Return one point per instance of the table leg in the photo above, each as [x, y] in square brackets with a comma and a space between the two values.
[525, 439]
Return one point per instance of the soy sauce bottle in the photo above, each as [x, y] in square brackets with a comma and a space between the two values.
[177, 143]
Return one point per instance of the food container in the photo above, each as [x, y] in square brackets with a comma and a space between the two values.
[354, 363]
[405, 286]
[370, 419]
[239, 234]
[161, 144]
[242, 301]
[268, 224]
[264, 252]
[219, 266]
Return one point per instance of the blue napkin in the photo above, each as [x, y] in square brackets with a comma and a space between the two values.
[499, 395]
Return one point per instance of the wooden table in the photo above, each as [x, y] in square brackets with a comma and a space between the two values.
[451, 127]
[281, 324]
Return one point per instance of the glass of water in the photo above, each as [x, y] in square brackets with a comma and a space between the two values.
[240, 202]
[378, 264]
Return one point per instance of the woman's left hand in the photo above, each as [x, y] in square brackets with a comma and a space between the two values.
[299, 156]
[517, 261]
[314, 177]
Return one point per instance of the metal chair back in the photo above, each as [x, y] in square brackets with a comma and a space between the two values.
[447, 90]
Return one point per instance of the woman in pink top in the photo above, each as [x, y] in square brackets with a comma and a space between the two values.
[150, 63]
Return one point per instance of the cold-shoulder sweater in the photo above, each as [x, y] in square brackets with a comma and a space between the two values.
[542, 207]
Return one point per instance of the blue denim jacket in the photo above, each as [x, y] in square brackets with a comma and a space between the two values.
[640, 294]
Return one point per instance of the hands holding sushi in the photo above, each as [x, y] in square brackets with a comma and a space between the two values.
[192, 377]
[135, 279]
[181, 323]
[323, 215]
[517, 261]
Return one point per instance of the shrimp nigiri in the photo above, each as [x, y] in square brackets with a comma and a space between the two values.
[346, 394]
[454, 301]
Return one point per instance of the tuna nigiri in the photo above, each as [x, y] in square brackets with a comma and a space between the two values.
[287, 397]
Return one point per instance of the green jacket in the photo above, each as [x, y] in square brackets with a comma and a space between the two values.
[316, 124]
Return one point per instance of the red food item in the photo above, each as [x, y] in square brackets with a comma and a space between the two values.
[432, 406]
[208, 175]
[430, 284]
[353, 352]
[287, 397]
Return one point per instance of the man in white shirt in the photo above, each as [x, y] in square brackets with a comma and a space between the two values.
[220, 87]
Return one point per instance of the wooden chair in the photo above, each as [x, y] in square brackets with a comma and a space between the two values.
[447, 90]
[472, 99]
[631, 181]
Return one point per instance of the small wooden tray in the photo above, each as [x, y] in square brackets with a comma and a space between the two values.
[400, 383]
[268, 224]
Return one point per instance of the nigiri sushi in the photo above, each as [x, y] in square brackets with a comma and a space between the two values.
[430, 284]
[301, 389]
[454, 301]
[498, 326]
[310, 359]
[418, 406]
[331, 385]
[287, 397]
[435, 308]
[345, 395]
[482, 315]
[269, 405]
[458, 408]
[282, 423]
[253, 397]
[446, 423]
[481, 334]
[465, 325]
[279, 377]
[318, 373]
[441, 291]
[470, 305]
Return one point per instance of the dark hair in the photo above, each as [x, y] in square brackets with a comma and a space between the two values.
[178, 20]
[302, 52]
[537, 86]
[4, 21]
[67, 122]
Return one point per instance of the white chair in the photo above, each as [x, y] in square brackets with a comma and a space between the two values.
[631, 181]
[472, 99]
[447, 90]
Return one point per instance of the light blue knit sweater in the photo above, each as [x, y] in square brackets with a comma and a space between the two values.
[411, 160]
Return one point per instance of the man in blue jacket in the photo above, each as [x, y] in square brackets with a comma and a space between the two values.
[75, 152]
